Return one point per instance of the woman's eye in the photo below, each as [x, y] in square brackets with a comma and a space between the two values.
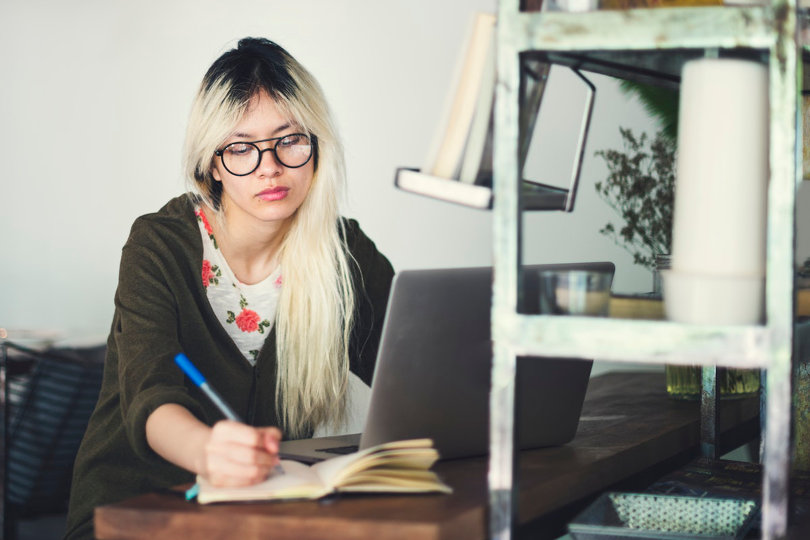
[293, 140]
[239, 149]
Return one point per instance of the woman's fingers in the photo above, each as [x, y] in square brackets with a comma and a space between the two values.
[239, 433]
[238, 454]
[271, 438]
[226, 472]
[245, 444]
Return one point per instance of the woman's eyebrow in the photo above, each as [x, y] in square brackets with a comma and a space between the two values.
[243, 135]
[282, 128]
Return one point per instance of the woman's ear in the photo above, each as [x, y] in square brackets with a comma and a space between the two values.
[215, 173]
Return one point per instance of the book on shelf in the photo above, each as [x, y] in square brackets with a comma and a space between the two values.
[476, 164]
[459, 165]
[446, 189]
[803, 302]
[636, 306]
[647, 306]
[470, 86]
[463, 146]
[478, 146]
[535, 196]
[395, 467]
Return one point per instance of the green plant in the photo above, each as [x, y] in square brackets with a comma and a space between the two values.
[640, 188]
[660, 103]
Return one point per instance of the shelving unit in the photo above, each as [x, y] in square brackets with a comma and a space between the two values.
[645, 45]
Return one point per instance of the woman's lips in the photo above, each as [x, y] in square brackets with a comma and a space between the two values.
[273, 194]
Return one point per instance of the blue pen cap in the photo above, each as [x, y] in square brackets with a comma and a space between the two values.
[188, 368]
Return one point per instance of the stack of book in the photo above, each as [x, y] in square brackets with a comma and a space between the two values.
[459, 166]
[636, 306]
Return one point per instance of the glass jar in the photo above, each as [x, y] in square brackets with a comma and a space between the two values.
[685, 382]
[662, 262]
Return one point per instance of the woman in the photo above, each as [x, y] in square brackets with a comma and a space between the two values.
[254, 276]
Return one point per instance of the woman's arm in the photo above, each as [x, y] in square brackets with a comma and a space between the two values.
[228, 454]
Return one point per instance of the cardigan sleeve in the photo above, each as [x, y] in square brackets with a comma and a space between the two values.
[372, 274]
[145, 333]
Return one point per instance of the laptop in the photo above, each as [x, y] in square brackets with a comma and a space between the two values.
[432, 377]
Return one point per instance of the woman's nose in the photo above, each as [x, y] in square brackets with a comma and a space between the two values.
[268, 163]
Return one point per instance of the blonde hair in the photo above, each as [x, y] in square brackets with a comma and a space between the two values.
[315, 311]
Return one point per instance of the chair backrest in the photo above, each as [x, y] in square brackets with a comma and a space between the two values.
[48, 413]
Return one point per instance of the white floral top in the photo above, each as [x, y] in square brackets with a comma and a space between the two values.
[245, 311]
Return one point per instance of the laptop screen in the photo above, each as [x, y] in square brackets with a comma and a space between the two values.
[433, 369]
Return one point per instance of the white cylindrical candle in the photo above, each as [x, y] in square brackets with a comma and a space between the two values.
[718, 237]
[722, 169]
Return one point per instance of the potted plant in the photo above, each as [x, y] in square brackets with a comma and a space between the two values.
[640, 188]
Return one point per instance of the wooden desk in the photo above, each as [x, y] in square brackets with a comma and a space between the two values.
[629, 430]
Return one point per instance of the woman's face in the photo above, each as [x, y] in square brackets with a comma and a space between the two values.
[273, 192]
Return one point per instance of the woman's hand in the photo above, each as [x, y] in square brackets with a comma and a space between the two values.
[237, 454]
[229, 454]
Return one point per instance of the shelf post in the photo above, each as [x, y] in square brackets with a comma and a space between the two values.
[785, 75]
[709, 409]
[503, 499]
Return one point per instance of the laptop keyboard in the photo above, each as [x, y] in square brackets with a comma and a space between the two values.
[340, 449]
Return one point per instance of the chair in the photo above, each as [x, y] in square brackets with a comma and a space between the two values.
[51, 394]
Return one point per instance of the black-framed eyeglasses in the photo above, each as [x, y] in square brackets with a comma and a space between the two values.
[242, 158]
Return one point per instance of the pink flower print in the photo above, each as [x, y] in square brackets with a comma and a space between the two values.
[278, 282]
[200, 214]
[210, 273]
[247, 320]
[206, 272]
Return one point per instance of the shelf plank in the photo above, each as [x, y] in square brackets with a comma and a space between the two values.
[641, 29]
[642, 341]
[535, 196]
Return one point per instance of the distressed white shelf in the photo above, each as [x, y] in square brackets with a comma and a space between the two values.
[648, 45]
[642, 341]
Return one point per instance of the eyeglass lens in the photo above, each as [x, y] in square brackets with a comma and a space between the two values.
[242, 158]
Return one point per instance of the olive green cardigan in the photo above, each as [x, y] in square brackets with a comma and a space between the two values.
[161, 309]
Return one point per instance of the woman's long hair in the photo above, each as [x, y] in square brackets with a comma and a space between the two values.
[314, 317]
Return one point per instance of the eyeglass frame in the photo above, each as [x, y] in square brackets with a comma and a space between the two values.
[313, 152]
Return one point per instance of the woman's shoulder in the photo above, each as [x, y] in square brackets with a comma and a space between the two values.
[175, 220]
[349, 226]
[178, 208]
[354, 236]
[363, 249]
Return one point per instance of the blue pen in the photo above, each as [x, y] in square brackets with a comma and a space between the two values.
[194, 374]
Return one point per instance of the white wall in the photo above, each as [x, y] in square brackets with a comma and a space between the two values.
[94, 99]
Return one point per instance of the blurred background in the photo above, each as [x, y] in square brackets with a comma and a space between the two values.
[94, 102]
